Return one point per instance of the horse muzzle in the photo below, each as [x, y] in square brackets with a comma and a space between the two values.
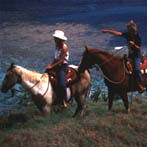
[3, 90]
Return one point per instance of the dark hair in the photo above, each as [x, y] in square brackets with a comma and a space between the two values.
[132, 25]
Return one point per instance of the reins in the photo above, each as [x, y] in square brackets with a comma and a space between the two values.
[16, 90]
[106, 77]
[111, 81]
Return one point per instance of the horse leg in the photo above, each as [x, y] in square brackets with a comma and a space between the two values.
[110, 99]
[46, 109]
[41, 104]
[80, 105]
[83, 104]
[126, 102]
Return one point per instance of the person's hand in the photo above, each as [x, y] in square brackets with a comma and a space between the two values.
[131, 43]
[49, 67]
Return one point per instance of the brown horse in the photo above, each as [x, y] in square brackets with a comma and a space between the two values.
[116, 79]
[41, 88]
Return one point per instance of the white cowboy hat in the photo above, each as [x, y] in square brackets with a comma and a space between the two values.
[59, 34]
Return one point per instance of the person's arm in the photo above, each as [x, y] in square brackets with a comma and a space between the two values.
[134, 45]
[114, 32]
[61, 60]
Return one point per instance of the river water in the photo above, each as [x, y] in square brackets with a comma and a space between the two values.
[26, 29]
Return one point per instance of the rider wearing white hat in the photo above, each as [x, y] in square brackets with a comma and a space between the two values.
[60, 34]
[60, 63]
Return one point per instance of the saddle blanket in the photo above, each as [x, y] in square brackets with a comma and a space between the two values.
[143, 65]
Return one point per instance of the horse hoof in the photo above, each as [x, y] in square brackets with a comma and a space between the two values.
[128, 111]
[110, 110]
[82, 114]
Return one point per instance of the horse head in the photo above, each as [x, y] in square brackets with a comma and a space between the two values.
[86, 61]
[10, 79]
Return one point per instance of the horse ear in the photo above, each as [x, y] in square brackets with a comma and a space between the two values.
[86, 48]
[12, 65]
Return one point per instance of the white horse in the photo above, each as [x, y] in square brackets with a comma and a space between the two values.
[41, 88]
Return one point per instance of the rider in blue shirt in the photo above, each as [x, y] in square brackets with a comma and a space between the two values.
[134, 49]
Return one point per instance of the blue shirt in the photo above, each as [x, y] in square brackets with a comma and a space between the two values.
[133, 52]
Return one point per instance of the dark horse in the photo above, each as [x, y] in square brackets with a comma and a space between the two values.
[118, 81]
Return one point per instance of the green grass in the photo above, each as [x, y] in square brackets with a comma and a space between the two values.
[98, 128]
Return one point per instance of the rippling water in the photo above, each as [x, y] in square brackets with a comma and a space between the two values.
[26, 30]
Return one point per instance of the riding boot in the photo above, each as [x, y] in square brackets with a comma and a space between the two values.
[139, 80]
[64, 104]
[140, 88]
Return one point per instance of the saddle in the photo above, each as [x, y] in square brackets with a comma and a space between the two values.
[129, 65]
[71, 76]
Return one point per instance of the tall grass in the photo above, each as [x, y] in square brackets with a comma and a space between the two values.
[98, 128]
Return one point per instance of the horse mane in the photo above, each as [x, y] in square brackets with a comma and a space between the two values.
[29, 75]
[108, 55]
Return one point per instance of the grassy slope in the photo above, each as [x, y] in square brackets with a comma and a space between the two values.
[98, 128]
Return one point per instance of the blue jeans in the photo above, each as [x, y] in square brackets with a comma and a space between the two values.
[62, 81]
[137, 72]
